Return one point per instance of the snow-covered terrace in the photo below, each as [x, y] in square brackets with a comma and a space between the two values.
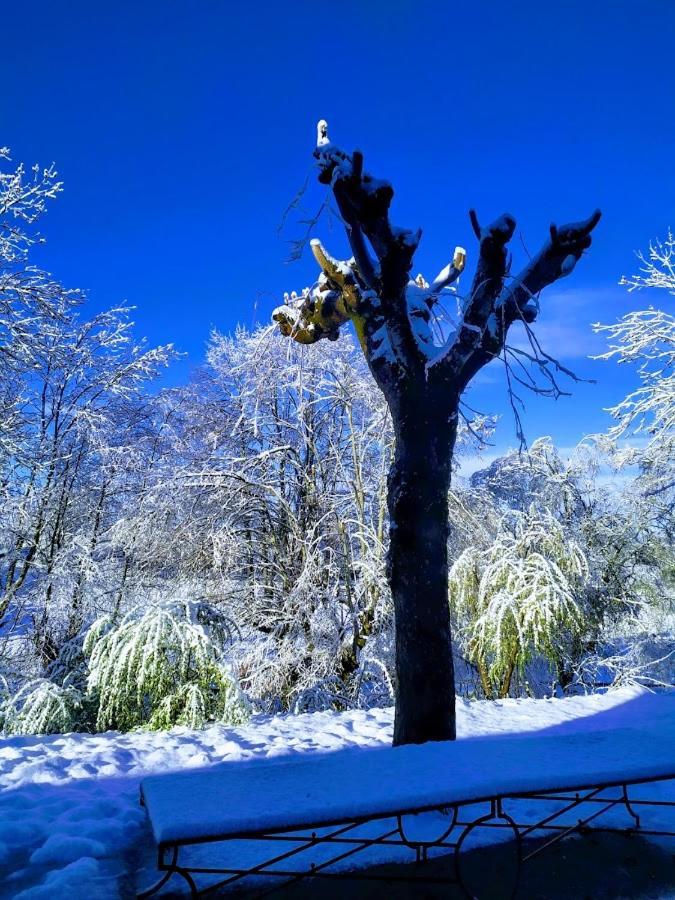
[71, 824]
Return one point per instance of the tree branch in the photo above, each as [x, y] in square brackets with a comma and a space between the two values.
[323, 309]
[491, 269]
[556, 260]
[363, 202]
[487, 285]
[447, 275]
[519, 301]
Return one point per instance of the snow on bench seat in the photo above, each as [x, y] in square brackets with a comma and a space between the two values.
[245, 798]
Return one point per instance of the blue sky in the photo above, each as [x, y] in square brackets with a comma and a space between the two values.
[183, 129]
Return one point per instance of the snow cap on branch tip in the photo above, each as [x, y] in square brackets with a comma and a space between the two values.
[335, 270]
[322, 133]
[459, 259]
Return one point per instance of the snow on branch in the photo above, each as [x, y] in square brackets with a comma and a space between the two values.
[492, 308]
[647, 337]
[449, 273]
[320, 312]
[363, 202]
[556, 260]
[395, 317]
[487, 284]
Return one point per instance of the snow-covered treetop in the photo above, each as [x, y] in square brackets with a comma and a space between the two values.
[397, 318]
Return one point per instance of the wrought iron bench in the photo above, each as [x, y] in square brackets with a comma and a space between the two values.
[320, 810]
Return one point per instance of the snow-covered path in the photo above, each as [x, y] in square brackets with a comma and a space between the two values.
[70, 823]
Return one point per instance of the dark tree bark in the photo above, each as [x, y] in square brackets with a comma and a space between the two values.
[418, 569]
[422, 384]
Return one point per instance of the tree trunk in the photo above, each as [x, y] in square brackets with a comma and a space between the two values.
[419, 480]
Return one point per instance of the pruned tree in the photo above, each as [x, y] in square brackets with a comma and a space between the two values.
[422, 380]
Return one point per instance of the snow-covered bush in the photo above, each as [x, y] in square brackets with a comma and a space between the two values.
[625, 533]
[639, 659]
[516, 598]
[161, 667]
[42, 707]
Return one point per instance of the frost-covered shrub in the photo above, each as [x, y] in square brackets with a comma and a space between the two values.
[42, 707]
[517, 598]
[368, 687]
[647, 337]
[373, 685]
[625, 534]
[647, 659]
[161, 667]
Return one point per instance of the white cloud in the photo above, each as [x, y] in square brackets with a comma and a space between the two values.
[564, 326]
[475, 462]
[608, 477]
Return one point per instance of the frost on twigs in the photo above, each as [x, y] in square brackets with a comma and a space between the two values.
[23, 199]
[647, 338]
[160, 668]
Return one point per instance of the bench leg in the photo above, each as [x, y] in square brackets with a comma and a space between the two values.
[169, 869]
[629, 808]
[496, 812]
[186, 875]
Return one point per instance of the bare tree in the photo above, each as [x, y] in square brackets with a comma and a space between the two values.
[71, 390]
[647, 337]
[422, 383]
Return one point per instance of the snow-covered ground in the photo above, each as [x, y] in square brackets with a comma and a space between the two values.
[71, 824]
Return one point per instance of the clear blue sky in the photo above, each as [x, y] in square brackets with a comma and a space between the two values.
[183, 129]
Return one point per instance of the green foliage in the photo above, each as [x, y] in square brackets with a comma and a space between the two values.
[42, 707]
[160, 668]
[517, 598]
